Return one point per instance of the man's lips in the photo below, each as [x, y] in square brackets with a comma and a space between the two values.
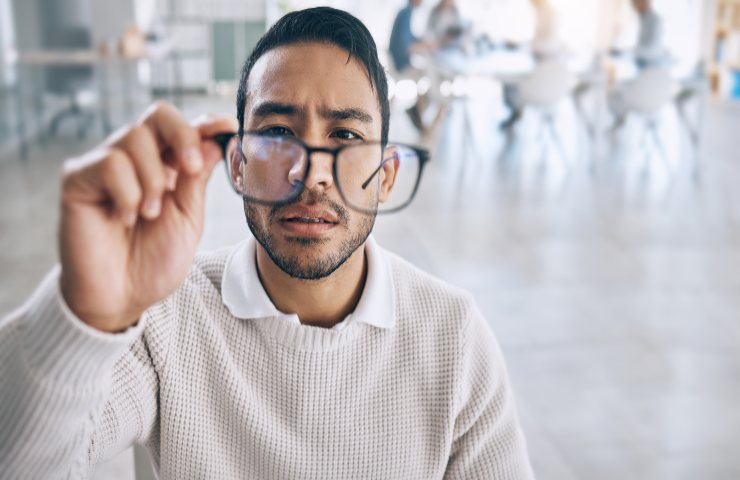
[309, 215]
[308, 221]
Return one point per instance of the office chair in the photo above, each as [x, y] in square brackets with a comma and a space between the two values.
[70, 80]
[690, 101]
[644, 98]
[543, 90]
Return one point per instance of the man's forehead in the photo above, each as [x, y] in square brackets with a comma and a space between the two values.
[295, 70]
[305, 50]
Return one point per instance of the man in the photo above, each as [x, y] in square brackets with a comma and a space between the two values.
[308, 353]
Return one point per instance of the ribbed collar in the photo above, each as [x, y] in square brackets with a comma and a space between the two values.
[245, 297]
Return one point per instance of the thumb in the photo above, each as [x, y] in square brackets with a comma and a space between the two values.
[208, 126]
[190, 189]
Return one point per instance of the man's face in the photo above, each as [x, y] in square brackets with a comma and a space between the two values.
[310, 91]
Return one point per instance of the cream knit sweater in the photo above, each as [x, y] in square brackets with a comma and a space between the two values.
[212, 396]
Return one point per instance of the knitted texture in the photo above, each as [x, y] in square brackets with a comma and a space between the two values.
[214, 396]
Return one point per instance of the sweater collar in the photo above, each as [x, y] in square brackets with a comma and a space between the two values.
[246, 298]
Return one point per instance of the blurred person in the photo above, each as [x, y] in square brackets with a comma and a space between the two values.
[446, 26]
[402, 45]
[649, 52]
[650, 49]
[306, 351]
[547, 41]
[546, 44]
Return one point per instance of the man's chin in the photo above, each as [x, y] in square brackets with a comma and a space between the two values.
[302, 269]
[307, 258]
[313, 256]
[306, 241]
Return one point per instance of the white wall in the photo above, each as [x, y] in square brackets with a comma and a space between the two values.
[216, 9]
[190, 29]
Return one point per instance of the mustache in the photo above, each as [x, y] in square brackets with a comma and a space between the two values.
[311, 197]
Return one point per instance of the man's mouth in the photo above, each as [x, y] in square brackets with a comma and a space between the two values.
[308, 221]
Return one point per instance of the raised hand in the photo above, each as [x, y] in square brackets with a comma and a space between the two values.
[132, 215]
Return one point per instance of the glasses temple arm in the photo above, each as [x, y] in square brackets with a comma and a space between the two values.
[375, 172]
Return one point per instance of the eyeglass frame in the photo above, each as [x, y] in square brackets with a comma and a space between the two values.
[223, 139]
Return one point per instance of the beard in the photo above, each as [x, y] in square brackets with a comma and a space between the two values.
[303, 265]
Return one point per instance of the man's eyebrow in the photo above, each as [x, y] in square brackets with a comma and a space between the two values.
[265, 109]
[346, 114]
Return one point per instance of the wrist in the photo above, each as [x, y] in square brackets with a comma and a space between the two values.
[103, 321]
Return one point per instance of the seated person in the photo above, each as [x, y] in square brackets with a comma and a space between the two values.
[546, 44]
[402, 45]
[649, 49]
[305, 351]
[446, 26]
[649, 52]
[547, 41]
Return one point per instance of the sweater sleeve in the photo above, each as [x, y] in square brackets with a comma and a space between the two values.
[488, 441]
[62, 386]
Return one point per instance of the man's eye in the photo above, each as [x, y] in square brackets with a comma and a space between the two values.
[277, 131]
[346, 135]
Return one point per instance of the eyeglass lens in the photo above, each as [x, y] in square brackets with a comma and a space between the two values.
[273, 169]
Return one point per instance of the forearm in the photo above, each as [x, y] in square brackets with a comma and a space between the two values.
[55, 373]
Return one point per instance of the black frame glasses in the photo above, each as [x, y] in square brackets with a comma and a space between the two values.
[225, 139]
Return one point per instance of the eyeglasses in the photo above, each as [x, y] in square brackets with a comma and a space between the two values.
[371, 178]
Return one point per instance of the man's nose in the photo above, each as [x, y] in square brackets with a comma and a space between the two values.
[321, 171]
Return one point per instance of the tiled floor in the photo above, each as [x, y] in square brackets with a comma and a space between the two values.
[616, 298]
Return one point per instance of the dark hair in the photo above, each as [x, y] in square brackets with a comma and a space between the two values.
[324, 25]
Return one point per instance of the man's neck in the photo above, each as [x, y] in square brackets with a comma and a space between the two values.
[321, 303]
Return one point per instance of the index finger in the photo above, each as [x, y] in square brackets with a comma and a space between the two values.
[173, 132]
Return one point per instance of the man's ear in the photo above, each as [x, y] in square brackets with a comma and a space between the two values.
[388, 172]
[235, 161]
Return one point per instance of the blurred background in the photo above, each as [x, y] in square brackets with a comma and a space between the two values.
[583, 186]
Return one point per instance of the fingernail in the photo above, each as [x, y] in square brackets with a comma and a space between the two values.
[194, 158]
[151, 207]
